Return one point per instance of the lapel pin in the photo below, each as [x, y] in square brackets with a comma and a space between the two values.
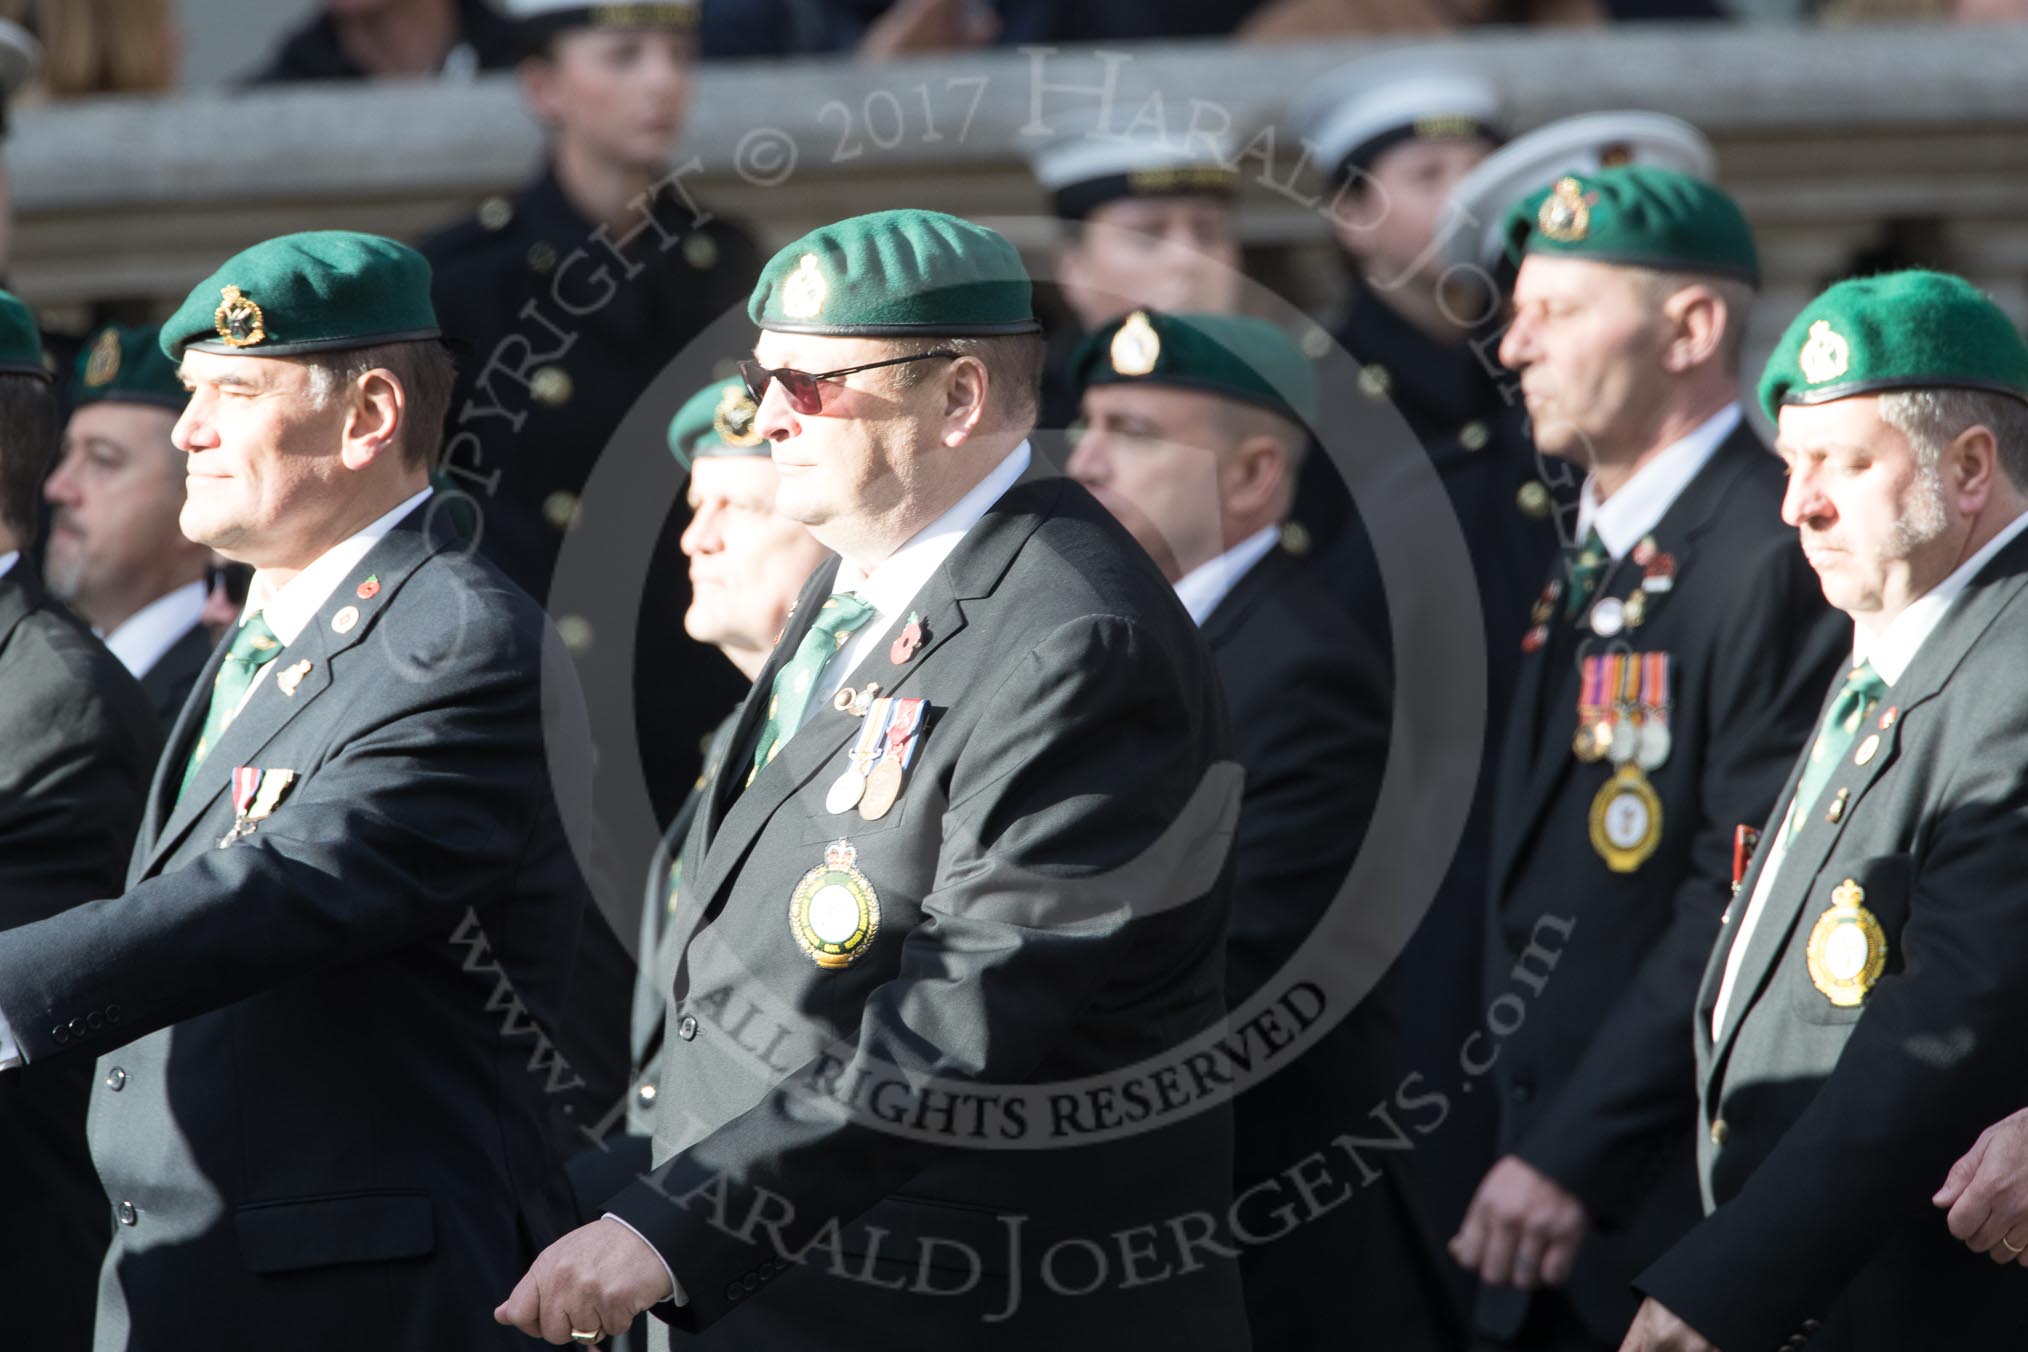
[291, 679]
[1644, 552]
[1866, 749]
[910, 639]
[369, 588]
[1836, 812]
[342, 622]
[1887, 718]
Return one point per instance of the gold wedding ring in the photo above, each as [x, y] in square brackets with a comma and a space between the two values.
[2012, 1247]
[587, 1339]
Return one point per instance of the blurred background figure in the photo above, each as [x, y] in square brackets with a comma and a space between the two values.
[881, 29]
[391, 39]
[92, 47]
[611, 87]
[116, 555]
[77, 747]
[1149, 220]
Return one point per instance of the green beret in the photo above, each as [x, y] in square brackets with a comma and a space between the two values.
[896, 274]
[124, 365]
[1233, 356]
[20, 341]
[1639, 215]
[1897, 331]
[716, 421]
[320, 291]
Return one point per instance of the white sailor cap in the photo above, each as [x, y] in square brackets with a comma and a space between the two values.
[537, 21]
[1573, 145]
[1358, 111]
[1085, 171]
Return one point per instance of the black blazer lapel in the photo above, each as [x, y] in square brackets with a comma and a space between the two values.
[268, 710]
[1229, 615]
[1969, 617]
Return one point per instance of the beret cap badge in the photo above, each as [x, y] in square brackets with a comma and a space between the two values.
[239, 320]
[1565, 215]
[104, 363]
[1825, 356]
[1136, 347]
[805, 291]
[734, 418]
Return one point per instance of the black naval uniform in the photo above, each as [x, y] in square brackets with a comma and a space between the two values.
[1583, 946]
[517, 253]
[77, 745]
[1479, 446]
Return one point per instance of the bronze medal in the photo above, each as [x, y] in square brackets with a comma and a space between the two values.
[883, 786]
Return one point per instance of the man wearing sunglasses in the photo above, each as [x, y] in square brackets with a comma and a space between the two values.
[969, 845]
[116, 555]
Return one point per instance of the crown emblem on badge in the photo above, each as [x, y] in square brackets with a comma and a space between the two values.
[734, 417]
[104, 363]
[1566, 213]
[805, 291]
[1826, 356]
[1136, 347]
[239, 321]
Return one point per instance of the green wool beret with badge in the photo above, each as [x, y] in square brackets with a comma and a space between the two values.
[1898, 331]
[123, 364]
[716, 421]
[1235, 357]
[319, 291]
[20, 340]
[1640, 216]
[896, 274]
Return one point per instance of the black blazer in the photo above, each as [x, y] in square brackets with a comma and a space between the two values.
[1751, 643]
[1075, 730]
[322, 1062]
[1839, 1121]
[170, 680]
[77, 744]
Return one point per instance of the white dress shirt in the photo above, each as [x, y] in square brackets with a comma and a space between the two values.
[1623, 519]
[7, 560]
[1890, 651]
[1203, 587]
[890, 587]
[896, 580]
[288, 610]
[141, 640]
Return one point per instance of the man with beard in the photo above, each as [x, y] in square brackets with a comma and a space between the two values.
[116, 555]
[1672, 670]
[1858, 1021]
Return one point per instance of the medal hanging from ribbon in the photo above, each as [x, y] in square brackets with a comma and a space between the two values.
[884, 782]
[246, 782]
[1624, 676]
[847, 789]
[1654, 743]
[1594, 726]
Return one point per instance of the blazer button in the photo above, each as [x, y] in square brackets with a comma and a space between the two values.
[116, 1079]
[78, 1028]
[127, 1214]
[59, 1035]
[95, 1021]
[1719, 1131]
[686, 1028]
[112, 1013]
[646, 1093]
[1522, 1091]
[751, 1281]
[734, 1291]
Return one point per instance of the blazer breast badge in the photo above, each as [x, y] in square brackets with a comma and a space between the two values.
[1848, 949]
[834, 911]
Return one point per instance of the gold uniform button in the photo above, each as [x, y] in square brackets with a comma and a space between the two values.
[1719, 1131]
[496, 213]
[552, 386]
[1533, 500]
[1295, 538]
[700, 251]
[542, 255]
[1375, 382]
[560, 508]
[647, 1093]
[1474, 435]
[576, 632]
[686, 1028]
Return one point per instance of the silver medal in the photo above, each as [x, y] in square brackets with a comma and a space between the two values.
[1609, 616]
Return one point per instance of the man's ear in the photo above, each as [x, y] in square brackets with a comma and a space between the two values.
[377, 408]
[1971, 468]
[1699, 320]
[1256, 473]
[967, 387]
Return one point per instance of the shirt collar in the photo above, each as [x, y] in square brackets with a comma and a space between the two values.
[143, 637]
[1205, 586]
[288, 609]
[894, 582]
[8, 560]
[1893, 648]
[1643, 500]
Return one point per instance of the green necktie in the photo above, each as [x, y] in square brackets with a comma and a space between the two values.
[253, 647]
[841, 617]
[1861, 693]
[1585, 571]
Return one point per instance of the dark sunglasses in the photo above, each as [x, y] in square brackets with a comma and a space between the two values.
[801, 386]
[232, 578]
